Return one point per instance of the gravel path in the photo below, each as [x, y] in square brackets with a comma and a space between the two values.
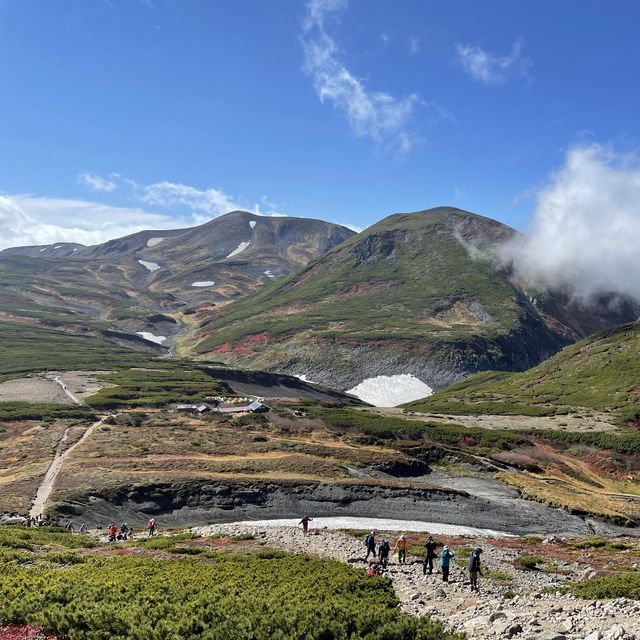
[520, 608]
[46, 487]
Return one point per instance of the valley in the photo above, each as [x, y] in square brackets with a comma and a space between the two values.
[401, 375]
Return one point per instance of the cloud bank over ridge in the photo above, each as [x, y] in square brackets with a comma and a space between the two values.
[585, 232]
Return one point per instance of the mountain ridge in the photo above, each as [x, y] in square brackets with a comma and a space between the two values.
[416, 293]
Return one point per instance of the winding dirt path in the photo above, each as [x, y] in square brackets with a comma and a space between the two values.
[45, 489]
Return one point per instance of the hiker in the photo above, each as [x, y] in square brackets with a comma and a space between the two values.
[401, 547]
[124, 530]
[151, 526]
[69, 526]
[429, 555]
[370, 543]
[374, 569]
[474, 568]
[305, 524]
[383, 552]
[113, 532]
[83, 528]
[445, 561]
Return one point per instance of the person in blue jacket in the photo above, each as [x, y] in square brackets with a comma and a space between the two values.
[445, 562]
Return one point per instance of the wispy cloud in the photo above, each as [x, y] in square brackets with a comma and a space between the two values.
[96, 182]
[205, 203]
[489, 68]
[415, 45]
[385, 118]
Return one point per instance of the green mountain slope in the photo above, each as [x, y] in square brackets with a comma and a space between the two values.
[416, 293]
[601, 372]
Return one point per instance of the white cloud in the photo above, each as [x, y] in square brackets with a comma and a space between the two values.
[33, 220]
[585, 231]
[415, 44]
[380, 116]
[96, 182]
[213, 202]
[203, 203]
[489, 68]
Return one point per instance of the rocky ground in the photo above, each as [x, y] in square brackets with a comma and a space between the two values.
[527, 606]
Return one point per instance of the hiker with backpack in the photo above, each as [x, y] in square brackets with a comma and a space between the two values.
[445, 563]
[429, 555]
[383, 552]
[370, 544]
[474, 569]
[151, 526]
[401, 548]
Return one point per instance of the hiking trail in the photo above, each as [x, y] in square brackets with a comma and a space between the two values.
[72, 396]
[46, 487]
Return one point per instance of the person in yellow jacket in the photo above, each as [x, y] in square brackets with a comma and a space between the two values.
[401, 548]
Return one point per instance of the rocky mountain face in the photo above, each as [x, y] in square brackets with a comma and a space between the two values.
[419, 293]
[138, 289]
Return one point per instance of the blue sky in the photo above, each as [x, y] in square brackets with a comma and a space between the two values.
[122, 114]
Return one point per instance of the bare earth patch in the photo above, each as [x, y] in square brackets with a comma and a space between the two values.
[572, 422]
[40, 390]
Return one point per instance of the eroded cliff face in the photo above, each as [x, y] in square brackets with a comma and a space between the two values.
[196, 502]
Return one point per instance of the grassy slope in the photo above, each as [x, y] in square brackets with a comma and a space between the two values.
[419, 267]
[214, 596]
[601, 372]
[29, 348]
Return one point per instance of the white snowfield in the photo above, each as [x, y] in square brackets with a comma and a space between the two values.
[239, 249]
[151, 266]
[203, 283]
[304, 378]
[390, 391]
[152, 242]
[152, 338]
[381, 524]
[252, 224]
[269, 274]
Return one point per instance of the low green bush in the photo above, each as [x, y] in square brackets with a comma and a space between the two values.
[228, 597]
[498, 576]
[620, 585]
[17, 537]
[531, 562]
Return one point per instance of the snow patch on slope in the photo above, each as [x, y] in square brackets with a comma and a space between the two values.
[152, 338]
[252, 224]
[152, 242]
[381, 524]
[240, 248]
[304, 378]
[203, 283]
[151, 266]
[390, 391]
[269, 274]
